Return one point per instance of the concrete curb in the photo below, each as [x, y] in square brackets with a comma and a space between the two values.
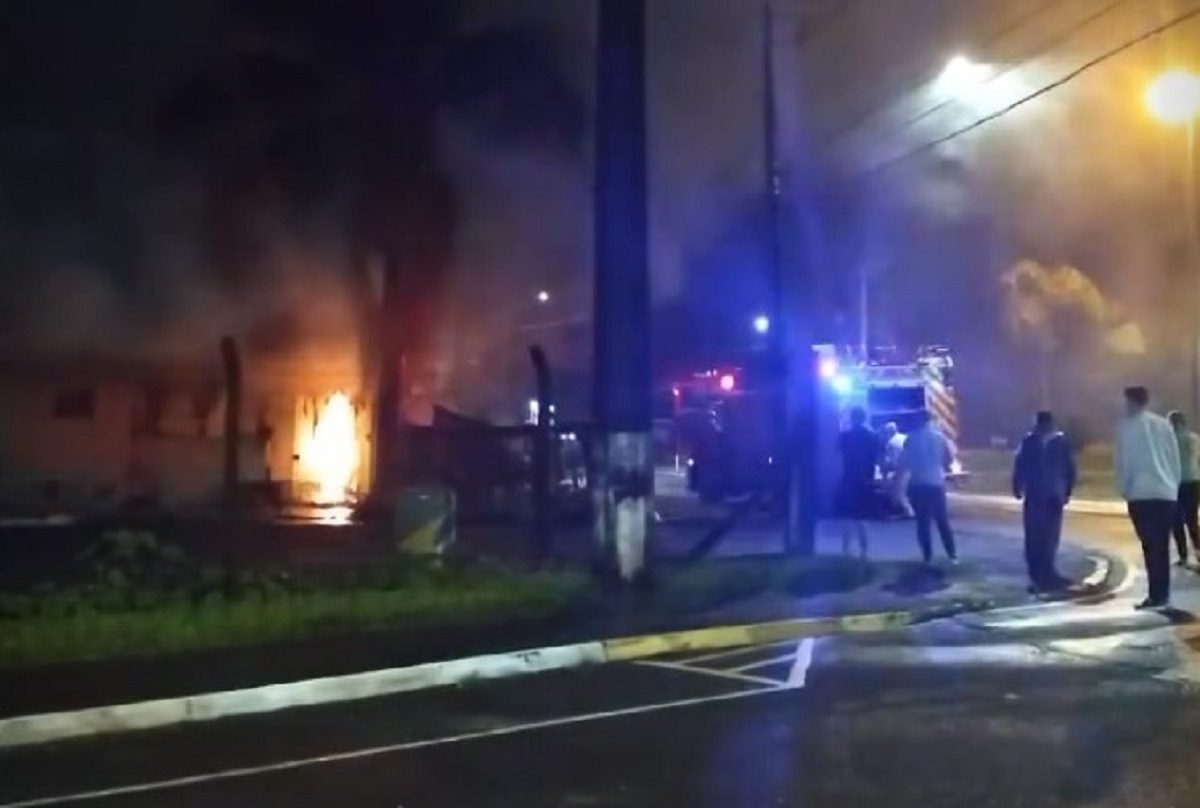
[1089, 507]
[48, 727]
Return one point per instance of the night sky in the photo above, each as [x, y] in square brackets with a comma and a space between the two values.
[173, 171]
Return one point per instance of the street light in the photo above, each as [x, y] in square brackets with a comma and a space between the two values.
[1174, 98]
[962, 78]
[543, 296]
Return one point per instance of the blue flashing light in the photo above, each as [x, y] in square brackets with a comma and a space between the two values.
[762, 324]
[828, 368]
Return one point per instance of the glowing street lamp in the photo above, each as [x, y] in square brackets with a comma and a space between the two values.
[543, 296]
[1174, 99]
[961, 78]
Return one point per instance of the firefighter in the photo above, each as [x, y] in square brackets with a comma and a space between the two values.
[925, 460]
[1044, 477]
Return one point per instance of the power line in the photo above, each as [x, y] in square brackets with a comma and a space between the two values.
[919, 75]
[1049, 45]
[1054, 85]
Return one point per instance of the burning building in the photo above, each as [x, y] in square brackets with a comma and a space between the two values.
[80, 433]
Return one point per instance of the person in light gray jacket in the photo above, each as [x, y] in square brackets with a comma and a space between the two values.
[1148, 475]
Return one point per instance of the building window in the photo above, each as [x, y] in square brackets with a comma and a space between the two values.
[80, 403]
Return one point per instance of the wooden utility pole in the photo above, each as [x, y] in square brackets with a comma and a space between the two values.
[623, 474]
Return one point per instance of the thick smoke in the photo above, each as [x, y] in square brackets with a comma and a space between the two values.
[1079, 177]
[287, 158]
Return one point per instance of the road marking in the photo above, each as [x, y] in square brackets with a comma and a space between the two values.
[375, 751]
[730, 675]
[798, 675]
[1099, 575]
[763, 663]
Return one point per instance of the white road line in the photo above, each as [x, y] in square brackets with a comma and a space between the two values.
[798, 675]
[375, 751]
[730, 675]
[763, 663]
[1099, 574]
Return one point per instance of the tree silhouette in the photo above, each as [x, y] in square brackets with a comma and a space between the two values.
[1056, 309]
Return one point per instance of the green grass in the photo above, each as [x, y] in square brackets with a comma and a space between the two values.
[87, 632]
[112, 622]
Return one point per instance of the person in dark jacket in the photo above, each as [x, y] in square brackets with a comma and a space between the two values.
[861, 452]
[1044, 477]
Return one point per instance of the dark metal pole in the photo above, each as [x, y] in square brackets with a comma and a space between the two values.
[543, 525]
[792, 329]
[624, 478]
[388, 391]
[776, 339]
[232, 365]
[1193, 234]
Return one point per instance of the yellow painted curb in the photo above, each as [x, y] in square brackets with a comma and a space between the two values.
[703, 639]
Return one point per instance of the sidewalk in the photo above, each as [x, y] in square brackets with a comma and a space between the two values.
[1091, 507]
[991, 569]
[991, 574]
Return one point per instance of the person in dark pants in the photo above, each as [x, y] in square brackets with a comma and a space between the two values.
[1147, 470]
[1187, 512]
[861, 450]
[925, 459]
[1044, 477]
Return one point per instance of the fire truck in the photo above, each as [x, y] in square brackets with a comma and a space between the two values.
[723, 418]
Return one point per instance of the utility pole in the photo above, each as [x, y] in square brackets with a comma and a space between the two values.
[623, 485]
[1192, 208]
[231, 363]
[791, 332]
[776, 345]
[864, 312]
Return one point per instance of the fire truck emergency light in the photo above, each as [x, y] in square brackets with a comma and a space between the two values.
[727, 382]
[841, 384]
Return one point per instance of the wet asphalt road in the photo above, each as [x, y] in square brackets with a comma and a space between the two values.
[1046, 705]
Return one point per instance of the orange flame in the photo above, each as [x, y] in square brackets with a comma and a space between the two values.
[330, 455]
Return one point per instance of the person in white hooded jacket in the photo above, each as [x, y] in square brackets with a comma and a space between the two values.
[1148, 476]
